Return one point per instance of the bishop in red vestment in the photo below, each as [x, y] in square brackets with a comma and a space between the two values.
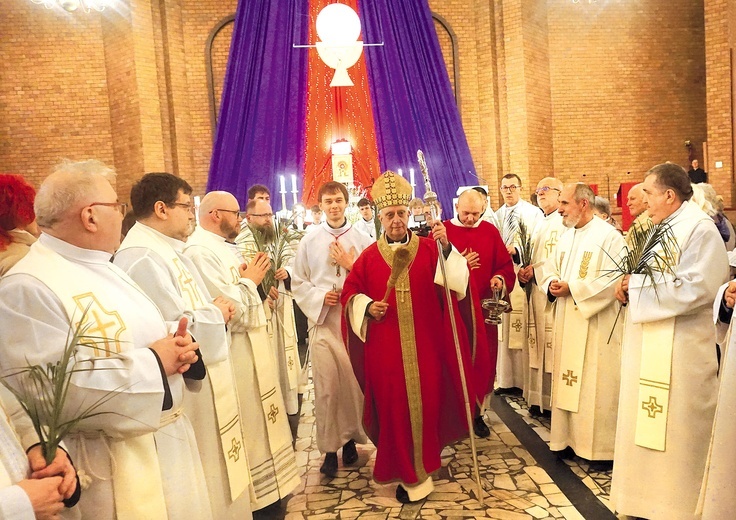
[402, 350]
[490, 267]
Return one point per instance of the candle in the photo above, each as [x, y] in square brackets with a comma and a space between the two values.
[400, 172]
[293, 187]
[413, 184]
[282, 182]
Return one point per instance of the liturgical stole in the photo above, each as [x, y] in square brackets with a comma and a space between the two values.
[657, 340]
[569, 380]
[135, 497]
[220, 371]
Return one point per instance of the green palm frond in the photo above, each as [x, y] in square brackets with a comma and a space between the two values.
[524, 246]
[42, 391]
[281, 250]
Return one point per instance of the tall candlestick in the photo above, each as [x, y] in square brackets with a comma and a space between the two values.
[282, 184]
[293, 188]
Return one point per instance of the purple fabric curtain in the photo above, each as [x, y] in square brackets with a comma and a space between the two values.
[260, 130]
[413, 104]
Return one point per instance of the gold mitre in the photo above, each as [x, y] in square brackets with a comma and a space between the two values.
[391, 189]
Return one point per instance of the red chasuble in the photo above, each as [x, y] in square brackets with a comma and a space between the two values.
[494, 260]
[407, 367]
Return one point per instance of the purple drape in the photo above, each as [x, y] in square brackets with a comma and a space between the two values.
[413, 104]
[260, 130]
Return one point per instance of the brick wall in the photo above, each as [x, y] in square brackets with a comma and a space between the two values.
[545, 85]
[53, 89]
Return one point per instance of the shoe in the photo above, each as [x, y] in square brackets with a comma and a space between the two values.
[508, 391]
[401, 495]
[601, 466]
[349, 453]
[481, 428]
[568, 453]
[329, 466]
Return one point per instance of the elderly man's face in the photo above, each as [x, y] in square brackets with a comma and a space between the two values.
[395, 221]
[469, 209]
[548, 196]
[661, 203]
[109, 218]
[570, 209]
[635, 201]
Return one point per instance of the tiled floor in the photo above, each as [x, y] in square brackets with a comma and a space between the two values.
[515, 486]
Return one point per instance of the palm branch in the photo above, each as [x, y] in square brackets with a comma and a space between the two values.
[524, 247]
[42, 390]
[280, 250]
[651, 251]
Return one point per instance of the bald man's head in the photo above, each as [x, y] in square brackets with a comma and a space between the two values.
[470, 206]
[635, 200]
[548, 193]
[219, 213]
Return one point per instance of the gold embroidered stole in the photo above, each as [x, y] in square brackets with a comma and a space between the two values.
[657, 342]
[287, 331]
[409, 351]
[221, 376]
[572, 347]
[135, 497]
[516, 318]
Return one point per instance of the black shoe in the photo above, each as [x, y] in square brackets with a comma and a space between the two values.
[329, 466]
[601, 466]
[481, 428]
[568, 453]
[508, 391]
[401, 495]
[535, 411]
[349, 453]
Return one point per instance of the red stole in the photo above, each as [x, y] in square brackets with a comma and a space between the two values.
[413, 398]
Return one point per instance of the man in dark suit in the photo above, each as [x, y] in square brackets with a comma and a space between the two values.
[697, 175]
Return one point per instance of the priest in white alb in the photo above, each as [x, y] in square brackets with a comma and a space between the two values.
[538, 381]
[152, 254]
[323, 260]
[260, 234]
[580, 279]
[669, 384]
[267, 435]
[511, 364]
[139, 457]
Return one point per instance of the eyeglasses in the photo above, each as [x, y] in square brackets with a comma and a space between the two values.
[237, 213]
[122, 207]
[189, 207]
[545, 189]
[511, 187]
[269, 215]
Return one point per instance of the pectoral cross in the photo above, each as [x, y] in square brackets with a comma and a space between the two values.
[401, 290]
[337, 268]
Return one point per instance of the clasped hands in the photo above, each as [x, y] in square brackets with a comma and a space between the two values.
[729, 295]
[49, 484]
[176, 351]
[559, 288]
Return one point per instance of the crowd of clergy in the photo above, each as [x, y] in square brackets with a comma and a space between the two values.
[182, 336]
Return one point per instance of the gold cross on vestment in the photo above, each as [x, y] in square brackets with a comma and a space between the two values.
[186, 283]
[551, 243]
[273, 413]
[234, 452]
[105, 327]
[517, 325]
[569, 378]
[652, 407]
[402, 290]
[291, 362]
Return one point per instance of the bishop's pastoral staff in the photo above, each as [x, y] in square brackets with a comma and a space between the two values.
[401, 346]
[669, 384]
[579, 278]
[152, 254]
[142, 453]
[270, 456]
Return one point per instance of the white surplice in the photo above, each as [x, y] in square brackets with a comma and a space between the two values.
[338, 400]
[585, 377]
[511, 366]
[538, 383]
[366, 226]
[717, 499]
[281, 327]
[665, 484]
[140, 255]
[35, 322]
[271, 458]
